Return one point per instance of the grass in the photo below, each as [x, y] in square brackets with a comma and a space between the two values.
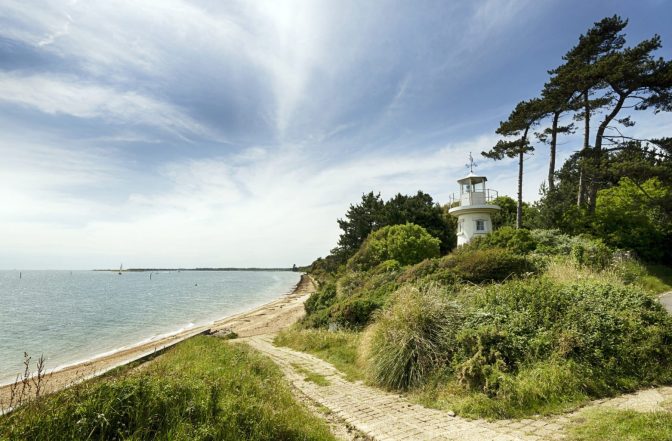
[658, 279]
[202, 389]
[622, 425]
[543, 389]
[311, 376]
[337, 347]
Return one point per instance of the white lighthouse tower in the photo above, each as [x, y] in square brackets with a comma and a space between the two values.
[472, 207]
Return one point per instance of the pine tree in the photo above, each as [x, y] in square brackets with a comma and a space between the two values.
[525, 115]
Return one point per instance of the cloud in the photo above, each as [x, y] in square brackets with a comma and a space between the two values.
[74, 97]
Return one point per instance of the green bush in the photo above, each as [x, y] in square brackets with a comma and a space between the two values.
[486, 265]
[627, 269]
[351, 301]
[203, 389]
[355, 312]
[469, 265]
[631, 216]
[407, 244]
[551, 242]
[618, 335]
[592, 253]
[518, 241]
[321, 299]
[411, 339]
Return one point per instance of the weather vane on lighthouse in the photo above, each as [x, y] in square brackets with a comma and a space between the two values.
[471, 164]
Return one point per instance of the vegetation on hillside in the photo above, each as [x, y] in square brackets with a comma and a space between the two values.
[518, 322]
[203, 389]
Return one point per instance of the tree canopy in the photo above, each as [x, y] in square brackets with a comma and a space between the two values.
[372, 213]
[601, 78]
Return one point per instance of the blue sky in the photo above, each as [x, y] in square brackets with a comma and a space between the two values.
[207, 133]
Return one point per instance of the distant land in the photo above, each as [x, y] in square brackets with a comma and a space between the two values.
[131, 270]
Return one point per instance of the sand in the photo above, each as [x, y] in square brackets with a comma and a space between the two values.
[266, 319]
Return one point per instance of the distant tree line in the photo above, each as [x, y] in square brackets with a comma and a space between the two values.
[373, 213]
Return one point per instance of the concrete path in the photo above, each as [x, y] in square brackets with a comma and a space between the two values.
[666, 301]
[386, 416]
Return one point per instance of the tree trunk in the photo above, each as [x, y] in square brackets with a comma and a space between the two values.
[519, 207]
[597, 156]
[554, 141]
[581, 196]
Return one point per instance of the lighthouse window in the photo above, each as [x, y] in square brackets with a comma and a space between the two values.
[480, 225]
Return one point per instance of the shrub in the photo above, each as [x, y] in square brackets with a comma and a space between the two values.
[618, 335]
[626, 268]
[320, 299]
[485, 265]
[620, 332]
[470, 265]
[551, 242]
[629, 215]
[354, 312]
[407, 244]
[592, 253]
[351, 301]
[518, 241]
[411, 338]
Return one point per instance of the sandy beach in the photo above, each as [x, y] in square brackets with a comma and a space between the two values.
[265, 319]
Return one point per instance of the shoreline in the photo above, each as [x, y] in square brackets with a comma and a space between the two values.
[255, 321]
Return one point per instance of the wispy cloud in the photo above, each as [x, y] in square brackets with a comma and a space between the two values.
[72, 96]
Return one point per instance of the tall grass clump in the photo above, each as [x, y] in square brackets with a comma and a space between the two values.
[412, 338]
[203, 389]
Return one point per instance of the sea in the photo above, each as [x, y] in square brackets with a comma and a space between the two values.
[74, 316]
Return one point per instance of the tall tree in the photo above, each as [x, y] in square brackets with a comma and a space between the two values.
[525, 115]
[634, 79]
[360, 220]
[602, 39]
[557, 97]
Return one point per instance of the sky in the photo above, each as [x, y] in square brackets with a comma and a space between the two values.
[175, 133]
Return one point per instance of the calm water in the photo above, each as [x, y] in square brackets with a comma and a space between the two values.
[72, 316]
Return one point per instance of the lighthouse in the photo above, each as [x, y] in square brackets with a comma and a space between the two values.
[473, 207]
